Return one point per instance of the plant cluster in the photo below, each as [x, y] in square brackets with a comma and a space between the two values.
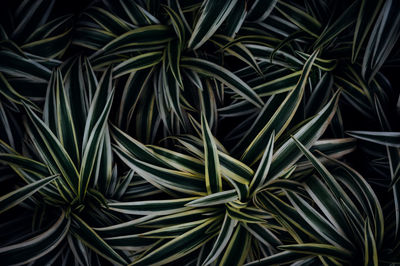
[200, 132]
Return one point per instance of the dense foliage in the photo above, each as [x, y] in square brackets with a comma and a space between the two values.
[200, 132]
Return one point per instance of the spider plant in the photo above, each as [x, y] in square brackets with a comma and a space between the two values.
[201, 132]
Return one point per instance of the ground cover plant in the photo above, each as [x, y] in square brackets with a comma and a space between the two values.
[200, 132]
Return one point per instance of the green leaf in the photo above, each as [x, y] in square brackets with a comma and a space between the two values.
[31, 15]
[135, 12]
[107, 20]
[225, 76]
[215, 198]
[174, 57]
[329, 199]
[260, 121]
[91, 239]
[237, 50]
[11, 94]
[222, 240]
[152, 207]
[391, 139]
[172, 231]
[281, 118]
[365, 195]
[284, 257]
[327, 176]
[279, 85]
[95, 125]
[263, 234]
[239, 215]
[344, 21]
[318, 250]
[177, 24]
[92, 38]
[235, 169]
[18, 66]
[163, 177]
[172, 91]
[80, 86]
[138, 62]
[178, 217]
[261, 9]
[382, 40]
[178, 247]
[212, 168]
[37, 246]
[366, 17]
[213, 14]
[131, 145]
[238, 247]
[235, 19]
[92, 147]
[179, 161]
[145, 36]
[288, 153]
[131, 95]
[287, 215]
[24, 163]
[323, 226]
[300, 18]
[370, 251]
[65, 125]
[262, 170]
[50, 47]
[53, 152]
[320, 94]
[323, 64]
[17, 196]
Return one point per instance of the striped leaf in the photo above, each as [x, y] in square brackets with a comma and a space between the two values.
[163, 177]
[38, 246]
[178, 247]
[24, 163]
[155, 207]
[286, 155]
[171, 231]
[300, 18]
[281, 118]
[263, 167]
[95, 132]
[391, 139]
[17, 196]
[283, 257]
[366, 17]
[52, 150]
[279, 85]
[383, 38]
[216, 198]
[213, 14]
[138, 62]
[225, 76]
[212, 168]
[260, 10]
[65, 126]
[18, 66]
[91, 239]
[11, 94]
[370, 251]
[222, 240]
[137, 14]
[144, 36]
[325, 229]
[236, 251]
[318, 250]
